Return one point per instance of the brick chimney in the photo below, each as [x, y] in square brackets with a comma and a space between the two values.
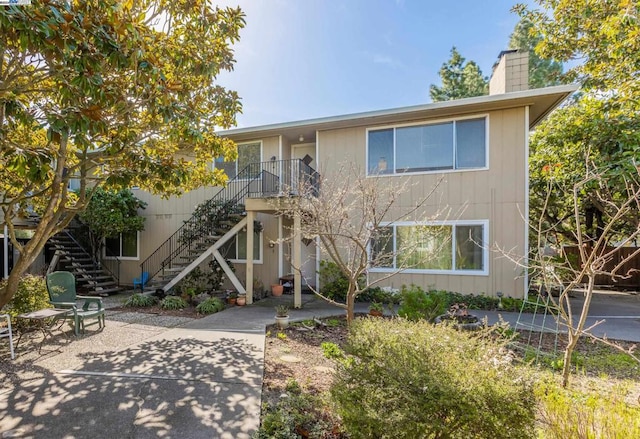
[510, 72]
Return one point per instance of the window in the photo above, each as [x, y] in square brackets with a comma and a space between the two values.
[447, 247]
[459, 144]
[125, 245]
[236, 248]
[247, 153]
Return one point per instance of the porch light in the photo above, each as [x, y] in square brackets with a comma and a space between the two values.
[301, 138]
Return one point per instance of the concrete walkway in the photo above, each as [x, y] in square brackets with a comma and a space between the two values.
[149, 376]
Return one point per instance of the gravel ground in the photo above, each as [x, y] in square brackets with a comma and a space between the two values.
[64, 351]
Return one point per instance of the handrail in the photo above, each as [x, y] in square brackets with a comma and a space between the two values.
[273, 178]
[96, 264]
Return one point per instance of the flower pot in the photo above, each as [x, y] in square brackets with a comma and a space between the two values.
[282, 321]
[241, 300]
[231, 300]
[276, 290]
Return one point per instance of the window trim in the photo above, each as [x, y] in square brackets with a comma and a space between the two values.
[486, 117]
[238, 145]
[485, 249]
[122, 258]
[255, 261]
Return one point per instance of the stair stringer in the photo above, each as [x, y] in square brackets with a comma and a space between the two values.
[213, 250]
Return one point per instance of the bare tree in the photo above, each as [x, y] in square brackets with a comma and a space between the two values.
[350, 215]
[596, 252]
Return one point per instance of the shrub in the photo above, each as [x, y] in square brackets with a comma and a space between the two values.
[377, 294]
[210, 306]
[298, 414]
[31, 296]
[334, 283]
[413, 379]
[173, 302]
[139, 300]
[331, 350]
[416, 304]
[567, 413]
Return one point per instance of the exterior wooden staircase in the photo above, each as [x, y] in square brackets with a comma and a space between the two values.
[216, 221]
[93, 278]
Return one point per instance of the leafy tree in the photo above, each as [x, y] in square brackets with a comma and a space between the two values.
[601, 127]
[584, 174]
[542, 72]
[113, 94]
[110, 213]
[459, 80]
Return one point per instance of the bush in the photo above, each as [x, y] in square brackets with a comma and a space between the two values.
[416, 380]
[139, 300]
[567, 413]
[334, 283]
[298, 414]
[173, 302]
[31, 296]
[210, 306]
[416, 304]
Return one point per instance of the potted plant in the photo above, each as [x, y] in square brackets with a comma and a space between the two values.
[276, 290]
[241, 300]
[282, 316]
[376, 309]
[232, 296]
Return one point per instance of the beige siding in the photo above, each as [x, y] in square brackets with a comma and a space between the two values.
[496, 194]
[164, 216]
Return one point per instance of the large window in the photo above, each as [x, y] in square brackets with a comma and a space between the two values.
[125, 245]
[236, 248]
[247, 153]
[447, 247]
[458, 144]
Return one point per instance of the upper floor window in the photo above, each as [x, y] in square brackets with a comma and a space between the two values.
[124, 245]
[247, 153]
[458, 144]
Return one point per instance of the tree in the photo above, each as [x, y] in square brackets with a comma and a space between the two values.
[110, 213]
[542, 72]
[459, 80]
[602, 36]
[584, 171]
[112, 94]
[350, 217]
[595, 254]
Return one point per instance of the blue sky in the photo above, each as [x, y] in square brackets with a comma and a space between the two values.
[301, 59]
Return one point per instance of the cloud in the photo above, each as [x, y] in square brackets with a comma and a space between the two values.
[379, 58]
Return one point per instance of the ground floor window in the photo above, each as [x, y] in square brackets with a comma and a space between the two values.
[124, 245]
[236, 249]
[432, 247]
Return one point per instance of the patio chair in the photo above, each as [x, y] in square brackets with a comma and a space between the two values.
[141, 281]
[5, 332]
[61, 286]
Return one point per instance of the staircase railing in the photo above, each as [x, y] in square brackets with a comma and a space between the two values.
[96, 264]
[273, 178]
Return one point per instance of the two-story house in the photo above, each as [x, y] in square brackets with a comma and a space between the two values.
[479, 146]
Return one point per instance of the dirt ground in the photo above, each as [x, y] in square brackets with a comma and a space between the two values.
[296, 353]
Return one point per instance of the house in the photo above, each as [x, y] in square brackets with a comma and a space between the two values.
[479, 145]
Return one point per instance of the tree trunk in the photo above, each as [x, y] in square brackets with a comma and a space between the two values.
[351, 302]
[23, 263]
[575, 334]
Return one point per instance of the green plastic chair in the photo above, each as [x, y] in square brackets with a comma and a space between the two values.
[61, 286]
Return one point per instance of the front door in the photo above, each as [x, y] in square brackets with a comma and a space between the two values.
[308, 251]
